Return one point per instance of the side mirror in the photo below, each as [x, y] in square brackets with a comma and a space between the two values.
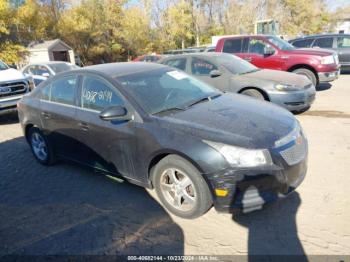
[115, 113]
[215, 73]
[45, 74]
[268, 50]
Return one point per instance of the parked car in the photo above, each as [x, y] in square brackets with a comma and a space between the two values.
[272, 52]
[147, 58]
[13, 85]
[160, 128]
[42, 71]
[230, 73]
[337, 42]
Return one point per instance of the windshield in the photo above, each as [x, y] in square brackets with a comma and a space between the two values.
[235, 64]
[280, 43]
[165, 88]
[62, 67]
[3, 66]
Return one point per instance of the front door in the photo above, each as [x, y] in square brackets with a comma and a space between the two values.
[201, 68]
[256, 55]
[110, 145]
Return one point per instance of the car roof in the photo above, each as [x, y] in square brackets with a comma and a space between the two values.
[244, 36]
[201, 54]
[122, 68]
[49, 63]
[318, 35]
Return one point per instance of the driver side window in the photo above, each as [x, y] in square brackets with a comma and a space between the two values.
[257, 46]
[97, 94]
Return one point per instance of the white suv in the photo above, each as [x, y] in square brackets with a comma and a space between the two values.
[13, 85]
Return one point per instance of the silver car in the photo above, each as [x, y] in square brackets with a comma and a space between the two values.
[42, 71]
[230, 73]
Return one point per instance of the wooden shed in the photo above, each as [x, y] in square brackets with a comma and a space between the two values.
[52, 50]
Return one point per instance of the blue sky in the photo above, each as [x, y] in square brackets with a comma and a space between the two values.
[334, 4]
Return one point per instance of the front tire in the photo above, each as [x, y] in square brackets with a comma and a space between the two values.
[253, 93]
[180, 187]
[41, 148]
[308, 73]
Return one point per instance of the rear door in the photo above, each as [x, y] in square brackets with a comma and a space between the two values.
[109, 145]
[58, 114]
[343, 48]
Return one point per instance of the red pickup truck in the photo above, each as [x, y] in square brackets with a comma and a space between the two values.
[272, 52]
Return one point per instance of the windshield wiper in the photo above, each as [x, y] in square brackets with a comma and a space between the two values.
[203, 99]
[169, 109]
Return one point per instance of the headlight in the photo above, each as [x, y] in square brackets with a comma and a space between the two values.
[286, 87]
[242, 157]
[292, 135]
[327, 60]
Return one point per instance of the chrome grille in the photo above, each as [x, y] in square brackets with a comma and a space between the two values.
[15, 88]
[296, 153]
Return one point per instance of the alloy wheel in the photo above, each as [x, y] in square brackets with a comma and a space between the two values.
[178, 189]
[39, 146]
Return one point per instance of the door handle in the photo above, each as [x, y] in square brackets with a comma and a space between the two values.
[46, 115]
[83, 126]
[249, 59]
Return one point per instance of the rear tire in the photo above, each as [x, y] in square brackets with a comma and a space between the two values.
[180, 187]
[253, 93]
[40, 146]
[308, 73]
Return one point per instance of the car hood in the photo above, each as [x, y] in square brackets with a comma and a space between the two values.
[310, 51]
[233, 119]
[10, 75]
[279, 77]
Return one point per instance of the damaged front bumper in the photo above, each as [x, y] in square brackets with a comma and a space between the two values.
[249, 190]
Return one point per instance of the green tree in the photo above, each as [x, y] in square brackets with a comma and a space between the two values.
[178, 23]
[303, 17]
[93, 30]
[136, 31]
[32, 22]
[9, 52]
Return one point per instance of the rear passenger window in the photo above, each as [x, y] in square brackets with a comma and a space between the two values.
[97, 94]
[303, 43]
[232, 46]
[177, 63]
[201, 66]
[324, 42]
[63, 90]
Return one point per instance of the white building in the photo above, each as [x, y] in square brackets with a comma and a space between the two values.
[343, 27]
[52, 50]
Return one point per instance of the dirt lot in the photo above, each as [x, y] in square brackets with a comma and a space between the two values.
[67, 209]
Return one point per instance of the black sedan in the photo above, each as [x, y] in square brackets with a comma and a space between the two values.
[160, 128]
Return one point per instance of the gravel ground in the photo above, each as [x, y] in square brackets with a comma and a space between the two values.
[67, 209]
